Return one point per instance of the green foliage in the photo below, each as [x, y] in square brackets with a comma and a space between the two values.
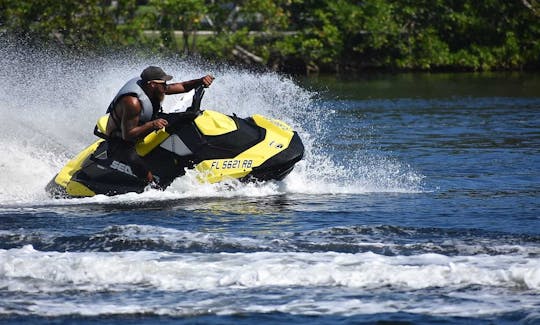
[331, 34]
[76, 24]
[219, 47]
[471, 35]
[260, 15]
[183, 15]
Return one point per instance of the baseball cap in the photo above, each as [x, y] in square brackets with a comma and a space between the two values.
[154, 73]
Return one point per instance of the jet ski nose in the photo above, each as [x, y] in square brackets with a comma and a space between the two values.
[282, 164]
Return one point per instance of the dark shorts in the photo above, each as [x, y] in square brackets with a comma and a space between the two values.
[124, 151]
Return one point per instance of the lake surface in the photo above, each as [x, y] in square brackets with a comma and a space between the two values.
[418, 201]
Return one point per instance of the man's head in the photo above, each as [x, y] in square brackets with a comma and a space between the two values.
[155, 79]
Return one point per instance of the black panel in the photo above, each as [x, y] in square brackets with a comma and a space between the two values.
[233, 143]
[193, 139]
[167, 165]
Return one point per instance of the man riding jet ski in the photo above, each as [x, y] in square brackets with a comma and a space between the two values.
[218, 146]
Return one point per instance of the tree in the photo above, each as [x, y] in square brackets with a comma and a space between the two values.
[533, 5]
[85, 24]
[183, 15]
[244, 27]
[307, 35]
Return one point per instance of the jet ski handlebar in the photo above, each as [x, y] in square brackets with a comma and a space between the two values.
[177, 119]
[197, 98]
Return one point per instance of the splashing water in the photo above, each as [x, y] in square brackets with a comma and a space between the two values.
[50, 102]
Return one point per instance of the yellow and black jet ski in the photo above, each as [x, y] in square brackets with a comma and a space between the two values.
[218, 146]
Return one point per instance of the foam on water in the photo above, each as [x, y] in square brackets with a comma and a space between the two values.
[50, 103]
[55, 271]
[34, 272]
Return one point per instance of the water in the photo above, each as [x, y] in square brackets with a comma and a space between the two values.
[417, 201]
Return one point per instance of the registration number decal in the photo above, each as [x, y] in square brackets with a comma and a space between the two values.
[231, 164]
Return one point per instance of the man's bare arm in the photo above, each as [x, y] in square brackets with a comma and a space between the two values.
[131, 131]
[185, 86]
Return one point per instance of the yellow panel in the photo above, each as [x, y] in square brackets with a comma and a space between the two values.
[74, 165]
[273, 124]
[216, 170]
[214, 123]
[143, 146]
[151, 141]
[74, 188]
[102, 123]
[277, 139]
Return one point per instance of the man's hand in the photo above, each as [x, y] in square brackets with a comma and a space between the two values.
[159, 124]
[207, 80]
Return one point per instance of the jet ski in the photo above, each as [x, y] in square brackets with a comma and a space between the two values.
[217, 146]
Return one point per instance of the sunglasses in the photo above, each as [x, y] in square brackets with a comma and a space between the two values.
[161, 82]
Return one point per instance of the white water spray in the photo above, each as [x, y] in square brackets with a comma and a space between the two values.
[49, 104]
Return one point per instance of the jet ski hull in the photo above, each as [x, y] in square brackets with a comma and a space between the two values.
[218, 146]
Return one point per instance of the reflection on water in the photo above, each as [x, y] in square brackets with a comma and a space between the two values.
[268, 213]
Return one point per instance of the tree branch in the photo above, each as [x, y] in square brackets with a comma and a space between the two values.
[532, 5]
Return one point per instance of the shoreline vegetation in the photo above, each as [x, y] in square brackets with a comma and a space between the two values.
[293, 36]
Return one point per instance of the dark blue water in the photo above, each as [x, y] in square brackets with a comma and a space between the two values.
[419, 206]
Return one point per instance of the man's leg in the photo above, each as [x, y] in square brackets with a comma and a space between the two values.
[125, 152]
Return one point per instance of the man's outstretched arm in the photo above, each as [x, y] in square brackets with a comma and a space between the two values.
[185, 86]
